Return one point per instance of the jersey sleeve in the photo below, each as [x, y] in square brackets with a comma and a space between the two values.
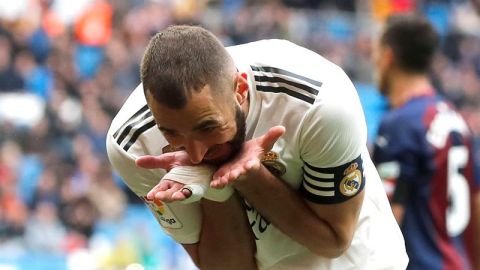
[139, 180]
[332, 140]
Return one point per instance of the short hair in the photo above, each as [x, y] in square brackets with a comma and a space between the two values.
[413, 41]
[181, 59]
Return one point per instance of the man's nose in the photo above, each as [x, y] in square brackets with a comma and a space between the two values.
[196, 151]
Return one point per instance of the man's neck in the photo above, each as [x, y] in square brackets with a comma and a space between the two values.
[407, 86]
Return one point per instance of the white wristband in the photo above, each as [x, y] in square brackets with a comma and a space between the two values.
[197, 180]
[218, 195]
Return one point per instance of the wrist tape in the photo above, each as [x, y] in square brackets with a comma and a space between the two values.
[197, 180]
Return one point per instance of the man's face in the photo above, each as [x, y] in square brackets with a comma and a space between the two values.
[210, 129]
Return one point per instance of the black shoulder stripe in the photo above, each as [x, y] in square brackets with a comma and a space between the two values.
[129, 127]
[282, 80]
[136, 114]
[285, 90]
[268, 80]
[287, 73]
[137, 134]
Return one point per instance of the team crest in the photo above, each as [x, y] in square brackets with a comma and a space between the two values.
[352, 181]
[273, 164]
[168, 148]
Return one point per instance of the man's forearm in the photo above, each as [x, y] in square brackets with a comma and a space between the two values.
[226, 241]
[280, 204]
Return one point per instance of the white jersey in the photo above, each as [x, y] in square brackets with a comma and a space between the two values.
[324, 144]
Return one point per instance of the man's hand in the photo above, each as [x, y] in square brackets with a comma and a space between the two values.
[164, 161]
[166, 190]
[169, 191]
[248, 160]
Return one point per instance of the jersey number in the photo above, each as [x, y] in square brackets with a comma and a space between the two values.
[458, 212]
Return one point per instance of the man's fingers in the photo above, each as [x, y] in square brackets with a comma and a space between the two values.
[167, 195]
[252, 164]
[220, 173]
[229, 173]
[218, 182]
[181, 194]
[164, 161]
[161, 186]
[186, 192]
[273, 134]
[234, 174]
[228, 178]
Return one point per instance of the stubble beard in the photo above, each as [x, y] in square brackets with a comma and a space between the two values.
[236, 143]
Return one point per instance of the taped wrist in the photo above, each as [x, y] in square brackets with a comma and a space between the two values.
[197, 180]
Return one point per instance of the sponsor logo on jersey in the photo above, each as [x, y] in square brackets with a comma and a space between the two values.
[273, 164]
[159, 210]
[352, 181]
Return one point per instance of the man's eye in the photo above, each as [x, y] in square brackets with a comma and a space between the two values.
[208, 129]
[169, 133]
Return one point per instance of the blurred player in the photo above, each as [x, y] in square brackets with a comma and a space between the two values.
[313, 198]
[424, 152]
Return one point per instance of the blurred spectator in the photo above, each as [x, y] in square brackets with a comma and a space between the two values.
[13, 212]
[9, 78]
[37, 79]
[44, 232]
[47, 190]
[107, 197]
[79, 215]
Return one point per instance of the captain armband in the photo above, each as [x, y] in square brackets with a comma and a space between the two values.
[197, 180]
[335, 184]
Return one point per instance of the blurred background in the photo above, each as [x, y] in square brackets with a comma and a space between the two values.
[67, 66]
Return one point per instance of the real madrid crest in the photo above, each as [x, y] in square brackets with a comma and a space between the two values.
[271, 161]
[168, 148]
[352, 181]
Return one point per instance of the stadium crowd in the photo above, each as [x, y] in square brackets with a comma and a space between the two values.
[67, 66]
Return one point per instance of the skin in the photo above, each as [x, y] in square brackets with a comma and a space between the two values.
[334, 224]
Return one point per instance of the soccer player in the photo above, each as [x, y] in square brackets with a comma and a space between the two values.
[424, 152]
[275, 123]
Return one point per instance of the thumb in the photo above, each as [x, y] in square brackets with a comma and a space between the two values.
[268, 139]
[164, 161]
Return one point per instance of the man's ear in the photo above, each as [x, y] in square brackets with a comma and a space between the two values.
[388, 58]
[241, 89]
